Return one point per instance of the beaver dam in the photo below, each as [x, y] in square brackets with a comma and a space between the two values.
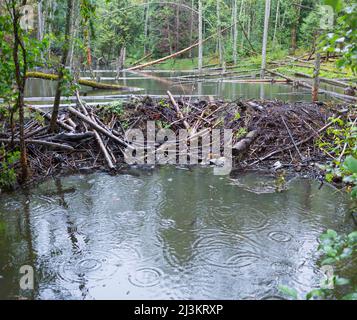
[265, 134]
[176, 231]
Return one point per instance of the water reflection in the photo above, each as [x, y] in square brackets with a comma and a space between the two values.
[165, 234]
[158, 84]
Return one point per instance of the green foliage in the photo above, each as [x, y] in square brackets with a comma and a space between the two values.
[242, 132]
[7, 172]
[342, 145]
[116, 107]
[335, 249]
[343, 38]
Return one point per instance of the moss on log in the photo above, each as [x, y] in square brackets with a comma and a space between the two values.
[87, 83]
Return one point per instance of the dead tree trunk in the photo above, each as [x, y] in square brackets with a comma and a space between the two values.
[316, 85]
[265, 37]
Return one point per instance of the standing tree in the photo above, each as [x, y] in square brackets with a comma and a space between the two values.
[265, 37]
[200, 36]
[19, 55]
[62, 66]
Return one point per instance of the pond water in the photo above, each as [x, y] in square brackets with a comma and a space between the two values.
[168, 233]
[159, 83]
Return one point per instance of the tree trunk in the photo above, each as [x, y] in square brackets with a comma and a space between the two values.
[40, 21]
[265, 37]
[53, 123]
[178, 27]
[219, 33]
[121, 61]
[294, 29]
[191, 27]
[316, 85]
[146, 27]
[276, 21]
[20, 76]
[235, 32]
[200, 36]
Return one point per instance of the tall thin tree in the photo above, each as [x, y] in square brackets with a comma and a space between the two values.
[200, 36]
[265, 37]
[61, 71]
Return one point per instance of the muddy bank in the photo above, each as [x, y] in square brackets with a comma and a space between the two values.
[267, 135]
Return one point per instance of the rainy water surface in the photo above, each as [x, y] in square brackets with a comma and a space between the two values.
[169, 233]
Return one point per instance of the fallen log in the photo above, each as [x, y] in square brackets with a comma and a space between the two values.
[244, 144]
[176, 54]
[42, 142]
[142, 59]
[337, 83]
[309, 86]
[83, 82]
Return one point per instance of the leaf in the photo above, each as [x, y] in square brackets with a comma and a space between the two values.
[353, 236]
[292, 293]
[351, 296]
[332, 234]
[341, 281]
[351, 164]
[328, 261]
[335, 4]
[314, 294]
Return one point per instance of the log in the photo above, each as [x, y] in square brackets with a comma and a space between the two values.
[88, 83]
[48, 117]
[42, 142]
[309, 86]
[244, 144]
[142, 59]
[73, 137]
[334, 82]
[98, 127]
[178, 111]
[174, 55]
[97, 136]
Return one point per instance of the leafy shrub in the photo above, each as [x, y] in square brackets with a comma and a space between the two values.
[7, 172]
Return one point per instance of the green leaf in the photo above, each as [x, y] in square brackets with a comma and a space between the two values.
[353, 236]
[341, 281]
[328, 261]
[332, 233]
[351, 296]
[314, 294]
[351, 164]
[292, 293]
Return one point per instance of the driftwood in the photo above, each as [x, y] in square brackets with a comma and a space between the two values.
[97, 136]
[73, 137]
[179, 113]
[309, 86]
[337, 83]
[42, 142]
[94, 125]
[48, 117]
[245, 143]
[88, 83]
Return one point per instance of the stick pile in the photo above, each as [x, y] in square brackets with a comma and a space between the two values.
[94, 138]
